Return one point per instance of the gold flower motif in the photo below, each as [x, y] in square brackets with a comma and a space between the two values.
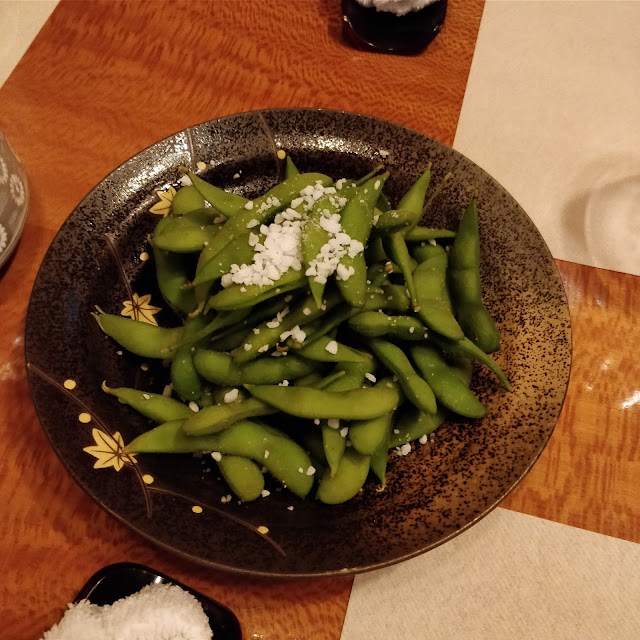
[140, 308]
[109, 451]
[163, 207]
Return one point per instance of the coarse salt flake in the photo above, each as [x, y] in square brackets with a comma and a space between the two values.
[230, 396]
[334, 423]
[332, 347]
[194, 407]
[344, 431]
[216, 455]
[370, 377]
[423, 439]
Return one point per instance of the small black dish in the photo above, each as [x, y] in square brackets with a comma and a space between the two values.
[409, 34]
[123, 579]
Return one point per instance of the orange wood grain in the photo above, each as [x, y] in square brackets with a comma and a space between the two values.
[589, 474]
[102, 81]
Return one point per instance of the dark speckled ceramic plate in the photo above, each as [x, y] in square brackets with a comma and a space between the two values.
[434, 493]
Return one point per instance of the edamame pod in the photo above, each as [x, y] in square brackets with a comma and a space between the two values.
[238, 251]
[446, 384]
[140, 338]
[151, 405]
[237, 296]
[186, 200]
[243, 476]
[334, 440]
[433, 303]
[393, 298]
[303, 402]
[218, 417]
[266, 445]
[325, 349]
[187, 233]
[171, 275]
[415, 389]
[184, 377]
[348, 480]
[315, 235]
[424, 234]
[466, 349]
[268, 334]
[220, 368]
[413, 424]
[464, 281]
[373, 325]
[290, 169]
[227, 203]
[356, 221]
[379, 459]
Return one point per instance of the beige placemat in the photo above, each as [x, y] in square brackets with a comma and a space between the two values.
[552, 111]
[20, 22]
[509, 577]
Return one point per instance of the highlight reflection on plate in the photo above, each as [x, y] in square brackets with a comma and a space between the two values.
[433, 494]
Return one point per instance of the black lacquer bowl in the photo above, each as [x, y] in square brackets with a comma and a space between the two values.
[434, 493]
[121, 580]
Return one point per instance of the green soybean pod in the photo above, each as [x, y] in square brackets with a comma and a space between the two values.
[227, 203]
[266, 445]
[290, 168]
[367, 436]
[413, 424]
[186, 200]
[431, 290]
[372, 324]
[314, 236]
[243, 476]
[185, 379]
[140, 338]
[464, 282]
[348, 480]
[303, 402]
[379, 459]
[151, 405]
[334, 444]
[465, 348]
[424, 234]
[393, 220]
[325, 349]
[267, 334]
[447, 385]
[172, 277]
[218, 417]
[238, 296]
[393, 298]
[212, 268]
[415, 388]
[357, 220]
[220, 368]
[187, 233]
[334, 439]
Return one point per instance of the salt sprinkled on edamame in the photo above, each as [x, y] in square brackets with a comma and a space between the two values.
[231, 396]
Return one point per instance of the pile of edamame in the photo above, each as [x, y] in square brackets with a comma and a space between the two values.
[365, 359]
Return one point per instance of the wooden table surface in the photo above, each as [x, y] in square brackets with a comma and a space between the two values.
[105, 79]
